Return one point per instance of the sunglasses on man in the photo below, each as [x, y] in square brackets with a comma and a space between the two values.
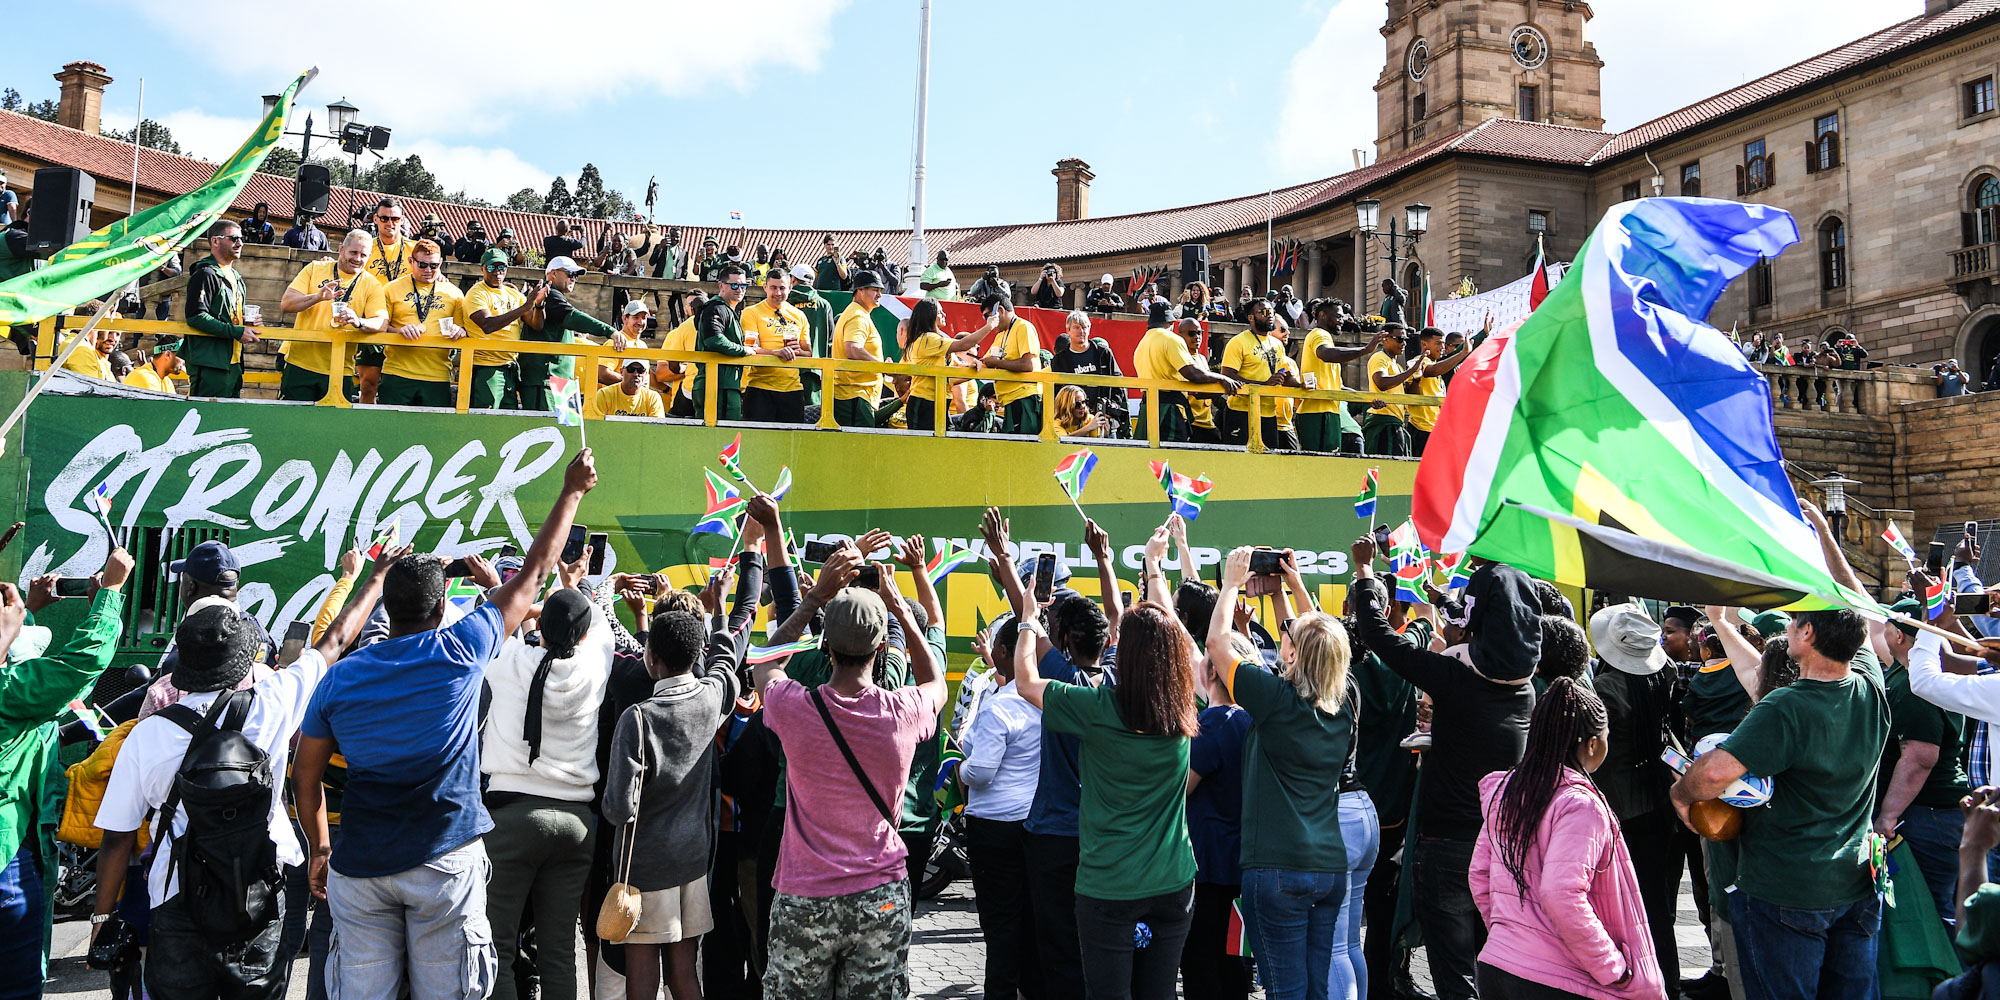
[388, 218]
[427, 265]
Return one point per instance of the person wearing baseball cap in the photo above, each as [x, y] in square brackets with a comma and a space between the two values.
[855, 338]
[630, 395]
[493, 310]
[557, 321]
[158, 371]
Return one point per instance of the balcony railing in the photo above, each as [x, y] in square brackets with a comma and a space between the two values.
[1975, 263]
[50, 338]
[1823, 390]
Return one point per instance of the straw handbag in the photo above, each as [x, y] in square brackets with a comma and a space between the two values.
[620, 910]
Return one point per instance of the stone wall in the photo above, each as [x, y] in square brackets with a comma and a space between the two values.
[1947, 458]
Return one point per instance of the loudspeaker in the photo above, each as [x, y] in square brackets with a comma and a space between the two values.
[1194, 263]
[60, 213]
[312, 190]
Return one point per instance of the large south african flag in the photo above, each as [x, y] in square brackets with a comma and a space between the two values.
[1615, 440]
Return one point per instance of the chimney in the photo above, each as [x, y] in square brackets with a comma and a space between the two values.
[1072, 189]
[82, 101]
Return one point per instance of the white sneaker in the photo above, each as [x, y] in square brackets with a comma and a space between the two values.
[1419, 740]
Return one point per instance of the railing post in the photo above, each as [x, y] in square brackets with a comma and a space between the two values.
[940, 403]
[709, 392]
[1047, 391]
[827, 378]
[1152, 416]
[1255, 417]
[588, 362]
[336, 383]
[464, 401]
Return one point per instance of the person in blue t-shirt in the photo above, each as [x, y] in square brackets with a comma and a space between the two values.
[407, 889]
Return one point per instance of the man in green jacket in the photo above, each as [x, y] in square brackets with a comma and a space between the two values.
[718, 330]
[33, 694]
[557, 322]
[819, 323]
[213, 350]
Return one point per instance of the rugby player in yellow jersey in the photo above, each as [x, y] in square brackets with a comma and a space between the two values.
[493, 311]
[1323, 424]
[1017, 347]
[775, 328]
[421, 304]
[325, 295]
[1170, 351]
[1253, 356]
[855, 394]
[388, 260]
[929, 344]
[1386, 430]
[629, 395]
[159, 370]
[1430, 382]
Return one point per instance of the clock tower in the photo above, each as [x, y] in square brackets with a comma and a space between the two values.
[1455, 63]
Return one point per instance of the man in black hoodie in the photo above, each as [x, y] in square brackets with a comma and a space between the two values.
[1479, 724]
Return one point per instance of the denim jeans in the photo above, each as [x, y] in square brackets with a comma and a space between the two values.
[1292, 918]
[1792, 954]
[1362, 834]
[1933, 836]
[21, 915]
[1453, 933]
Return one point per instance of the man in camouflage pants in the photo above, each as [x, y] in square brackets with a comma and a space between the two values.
[840, 922]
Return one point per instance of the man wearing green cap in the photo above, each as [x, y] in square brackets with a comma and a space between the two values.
[495, 309]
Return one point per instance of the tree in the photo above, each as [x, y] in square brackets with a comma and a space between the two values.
[459, 197]
[524, 200]
[407, 178]
[152, 135]
[281, 161]
[590, 192]
[10, 100]
[44, 109]
[558, 200]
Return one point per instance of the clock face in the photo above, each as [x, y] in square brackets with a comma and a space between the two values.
[1420, 59]
[1531, 47]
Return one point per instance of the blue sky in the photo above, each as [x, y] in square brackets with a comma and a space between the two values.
[799, 113]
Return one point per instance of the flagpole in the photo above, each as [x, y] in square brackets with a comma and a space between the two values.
[132, 203]
[918, 253]
[1078, 506]
[42, 383]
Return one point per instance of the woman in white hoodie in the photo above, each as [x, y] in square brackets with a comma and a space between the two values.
[539, 752]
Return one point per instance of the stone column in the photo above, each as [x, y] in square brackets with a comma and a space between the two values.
[1230, 283]
[1315, 259]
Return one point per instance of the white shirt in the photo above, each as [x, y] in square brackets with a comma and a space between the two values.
[144, 775]
[1975, 696]
[1003, 761]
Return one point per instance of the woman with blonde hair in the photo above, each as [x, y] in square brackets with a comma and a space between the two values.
[1296, 860]
[1073, 416]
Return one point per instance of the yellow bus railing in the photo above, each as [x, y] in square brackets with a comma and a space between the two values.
[48, 343]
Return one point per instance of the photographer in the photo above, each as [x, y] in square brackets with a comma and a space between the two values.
[830, 272]
[1048, 290]
[891, 272]
[1850, 352]
[1104, 298]
[304, 235]
[562, 244]
[1951, 381]
[1078, 353]
[473, 245]
[515, 258]
[669, 259]
[991, 284]
[434, 230]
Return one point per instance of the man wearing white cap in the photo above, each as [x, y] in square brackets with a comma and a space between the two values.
[1104, 298]
[556, 322]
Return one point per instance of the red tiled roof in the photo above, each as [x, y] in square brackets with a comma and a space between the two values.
[1888, 42]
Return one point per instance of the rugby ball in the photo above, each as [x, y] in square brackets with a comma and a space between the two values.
[1747, 792]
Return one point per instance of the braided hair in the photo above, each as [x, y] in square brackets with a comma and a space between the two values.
[1567, 715]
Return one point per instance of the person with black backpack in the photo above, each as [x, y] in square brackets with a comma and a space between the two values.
[213, 766]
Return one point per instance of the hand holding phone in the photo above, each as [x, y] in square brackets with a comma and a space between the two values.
[579, 536]
[600, 542]
[1266, 562]
[68, 587]
[1045, 577]
[297, 634]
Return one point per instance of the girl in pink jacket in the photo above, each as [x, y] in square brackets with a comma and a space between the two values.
[1550, 874]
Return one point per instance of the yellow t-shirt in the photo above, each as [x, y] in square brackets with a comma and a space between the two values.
[856, 326]
[364, 296]
[1255, 357]
[1286, 405]
[1425, 418]
[496, 301]
[436, 301]
[1326, 374]
[387, 262]
[930, 349]
[1020, 341]
[612, 400]
[680, 338]
[1161, 354]
[766, 327]
[1202, 406]
[86, 360]
[1380, 363]
[144, 377]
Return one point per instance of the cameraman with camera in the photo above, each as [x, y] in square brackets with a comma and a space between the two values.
[473, 245]
[434, 230]
[1048, 290]
[1850, 352]
[1950, 380]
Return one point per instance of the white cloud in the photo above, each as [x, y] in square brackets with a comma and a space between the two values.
[483, 172]
[210, 137]
[1329, 96]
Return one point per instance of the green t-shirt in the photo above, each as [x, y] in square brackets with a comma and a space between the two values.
[1912, 718]
[1819, 743]
[1133, 819]
[1715, 700]
[1388, 713]
[1292, 761]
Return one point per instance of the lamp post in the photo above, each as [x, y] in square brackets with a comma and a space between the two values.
[1400, 245]
[1833, 496]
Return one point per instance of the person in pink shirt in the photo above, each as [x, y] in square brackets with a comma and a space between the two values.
[1550, 873]
[840, 922]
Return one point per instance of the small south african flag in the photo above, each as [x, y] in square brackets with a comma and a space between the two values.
[1364, 505]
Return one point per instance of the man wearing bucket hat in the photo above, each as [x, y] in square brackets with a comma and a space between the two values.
[1638, 694]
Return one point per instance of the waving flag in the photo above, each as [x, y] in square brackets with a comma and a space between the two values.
[1457, 569]
[91, 718]
[1073, 472]
[386, 540]
[764, 654]
[784, 483]
[724, 504]
[98, 502]
[1364, 505]
[1405, 547]
[1539, 289]
[1614, 440]
[729, 458]
[1935, 597]
[568, 400]
[1183, 494]
[1894, 536]
[1410, 583]
[463, 594]
[949, 557]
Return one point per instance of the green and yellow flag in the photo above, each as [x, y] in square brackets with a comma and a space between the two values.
[131, 248]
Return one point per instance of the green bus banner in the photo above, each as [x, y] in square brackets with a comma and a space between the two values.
[291, 486]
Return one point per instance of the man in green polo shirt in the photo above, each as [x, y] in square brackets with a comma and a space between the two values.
[718, 330]
[213, 350]
[1808, 903]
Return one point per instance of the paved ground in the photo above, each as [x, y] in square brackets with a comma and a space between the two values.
[945, 955]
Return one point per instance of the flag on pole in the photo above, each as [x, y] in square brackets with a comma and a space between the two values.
[1364, 505]
[724, 504]
[1184, 495]
[1427, 308]
[1405, 548]
[764, 654]
[131, 248]
[784, 485]
[1410, 583]
[386, 540]
[1073, 472]
[949, 557]
[90, 718]
[1894, 536]
[1538, 290]
[1935, 596]
[98, 502]
[1616, 441]
[568, 399]
[736, 216]
[1457, 569]
[729, 458]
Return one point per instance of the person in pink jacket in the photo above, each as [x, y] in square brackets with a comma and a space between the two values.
[1550, 873]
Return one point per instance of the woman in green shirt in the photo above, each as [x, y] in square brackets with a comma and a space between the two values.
[1135, 874]
[1296, 863]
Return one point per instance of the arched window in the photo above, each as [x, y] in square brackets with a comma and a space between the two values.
[1982, 223]
[1833, 254]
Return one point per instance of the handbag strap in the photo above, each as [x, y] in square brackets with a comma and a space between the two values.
[632, 825]
[859, 775]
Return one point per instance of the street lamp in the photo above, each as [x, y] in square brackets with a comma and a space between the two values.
[1368, 212]
[339, 114]
[1416, 222]
[1833, 500]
